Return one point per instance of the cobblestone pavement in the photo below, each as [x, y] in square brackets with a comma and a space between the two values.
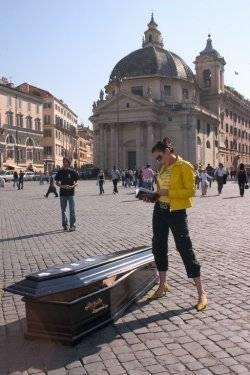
[164, 337]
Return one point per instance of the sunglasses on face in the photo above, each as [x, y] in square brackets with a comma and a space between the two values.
[159, 157]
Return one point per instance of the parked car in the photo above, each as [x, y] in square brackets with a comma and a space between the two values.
[29, 176]
[89, 173]
[7, 175]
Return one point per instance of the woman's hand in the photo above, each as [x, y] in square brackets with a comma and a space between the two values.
[163, 192]
[146, 199]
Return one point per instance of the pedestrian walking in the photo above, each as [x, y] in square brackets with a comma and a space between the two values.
[20, 180]
[220, 175]
[115, 177]
[66, 178]
[52, 188]
[210, 172]
[242, 179]
[101, 181]
[15, 179]
[204, 178]
[175, 189]
[148, 177]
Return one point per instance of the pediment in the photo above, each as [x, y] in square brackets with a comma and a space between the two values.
[125, 100]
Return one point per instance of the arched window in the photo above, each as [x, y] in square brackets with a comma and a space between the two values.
[207, 78]
[29, 149]
[226, 143]
[150, 38]
[29, 142]
[208, 144]
[198, 141]
[10, 139]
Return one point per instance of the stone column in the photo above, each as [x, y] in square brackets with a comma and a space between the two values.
[112, 146]
[204, 129]
[138, 145]
[101, 149]
[105, 147]
[120, 146]
[150, 142]
[116, 145]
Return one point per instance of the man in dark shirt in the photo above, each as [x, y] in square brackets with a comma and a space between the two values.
[20, 180]
[66, 178]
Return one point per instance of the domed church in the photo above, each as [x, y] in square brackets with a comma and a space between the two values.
[152, 93]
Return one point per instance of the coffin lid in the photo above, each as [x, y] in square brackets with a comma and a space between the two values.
[81, 273]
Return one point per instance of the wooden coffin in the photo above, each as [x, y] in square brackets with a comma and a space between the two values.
[65, 303]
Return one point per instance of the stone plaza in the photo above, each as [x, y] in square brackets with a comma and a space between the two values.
[166, 336]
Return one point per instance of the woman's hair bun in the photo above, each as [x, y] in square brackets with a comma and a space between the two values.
[166, 143]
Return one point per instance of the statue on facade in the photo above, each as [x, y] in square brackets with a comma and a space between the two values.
[94, 106]
[101, 96]
[149, 94]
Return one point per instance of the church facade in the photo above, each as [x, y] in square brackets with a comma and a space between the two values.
[152, 93]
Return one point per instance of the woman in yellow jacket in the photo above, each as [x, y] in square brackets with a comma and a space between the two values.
[176, 187]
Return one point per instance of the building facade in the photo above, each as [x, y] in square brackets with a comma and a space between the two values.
[60, 123]
[152, 93]
[84, 146]
[21, 129]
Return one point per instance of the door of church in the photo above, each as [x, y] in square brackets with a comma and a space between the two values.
[131, 159]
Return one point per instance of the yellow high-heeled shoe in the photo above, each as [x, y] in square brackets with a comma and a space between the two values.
[159, 294]
[202, 305]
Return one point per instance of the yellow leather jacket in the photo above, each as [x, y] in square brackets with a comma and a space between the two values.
[181, 185]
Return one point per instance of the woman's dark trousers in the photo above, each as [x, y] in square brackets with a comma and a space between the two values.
[163, 220]
[220, 183]
[115, 182]
[242, 188]
[101, 182]
[51, 189]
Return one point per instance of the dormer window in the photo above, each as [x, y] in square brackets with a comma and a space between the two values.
[137, 90]
[185, 94]
[167, 90]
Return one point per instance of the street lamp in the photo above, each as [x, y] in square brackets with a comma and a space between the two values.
[17, 150]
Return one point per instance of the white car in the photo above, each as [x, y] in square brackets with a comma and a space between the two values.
[7, 176]
[29, 176]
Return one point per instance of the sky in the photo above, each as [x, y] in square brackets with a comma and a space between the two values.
[69, 47]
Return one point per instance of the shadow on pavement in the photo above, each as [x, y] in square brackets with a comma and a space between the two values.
[128, 201]
[232, 197]
[20, 354]
[31, 235]
[207, 196]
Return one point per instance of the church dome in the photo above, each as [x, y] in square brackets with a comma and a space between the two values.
[152, 60]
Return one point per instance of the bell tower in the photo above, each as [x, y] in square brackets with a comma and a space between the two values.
[209, 66]
[152, 36]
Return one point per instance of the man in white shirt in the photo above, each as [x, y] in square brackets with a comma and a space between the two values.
[220, 176]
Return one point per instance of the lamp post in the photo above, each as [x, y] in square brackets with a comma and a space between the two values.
[17, 150]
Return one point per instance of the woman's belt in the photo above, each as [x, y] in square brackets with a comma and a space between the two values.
[164, 205]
